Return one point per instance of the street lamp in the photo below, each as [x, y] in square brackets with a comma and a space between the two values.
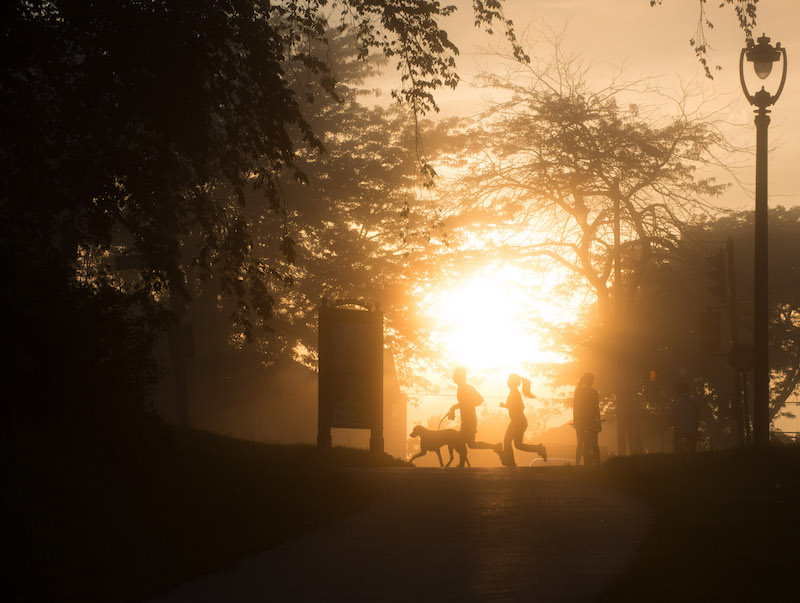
[763, 55]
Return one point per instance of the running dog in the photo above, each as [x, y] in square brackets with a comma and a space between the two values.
[431, 439]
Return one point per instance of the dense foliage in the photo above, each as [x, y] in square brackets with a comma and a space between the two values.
[143, 126]
[667, 339]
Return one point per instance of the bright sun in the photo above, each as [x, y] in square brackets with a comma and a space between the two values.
[484, 323]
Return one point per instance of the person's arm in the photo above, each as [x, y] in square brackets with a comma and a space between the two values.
[506, 404]
[451, 414]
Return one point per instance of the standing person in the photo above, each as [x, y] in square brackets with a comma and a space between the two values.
[586, 420]
[685, 420]
[468, 398]
[518, 425]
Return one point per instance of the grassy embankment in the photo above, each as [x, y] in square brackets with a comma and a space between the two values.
[726, 526]
[79, 526]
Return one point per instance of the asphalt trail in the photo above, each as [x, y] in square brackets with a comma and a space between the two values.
[530, 534]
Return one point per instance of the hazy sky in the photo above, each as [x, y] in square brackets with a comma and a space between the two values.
[654, 42]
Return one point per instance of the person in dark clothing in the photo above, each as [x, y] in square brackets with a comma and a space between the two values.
[586, 420]
[468, 399]
[518, 425]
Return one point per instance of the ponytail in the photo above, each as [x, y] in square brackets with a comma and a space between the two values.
[526, 388]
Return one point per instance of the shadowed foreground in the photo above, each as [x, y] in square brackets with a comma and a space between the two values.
[476, 533]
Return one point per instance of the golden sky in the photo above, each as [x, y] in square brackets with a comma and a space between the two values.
[654, 42]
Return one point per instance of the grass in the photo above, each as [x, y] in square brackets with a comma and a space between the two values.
[726, 526]
[88, 527]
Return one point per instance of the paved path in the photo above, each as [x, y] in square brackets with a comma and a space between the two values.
[540, 534]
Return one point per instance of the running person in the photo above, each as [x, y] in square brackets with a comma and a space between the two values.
[518, 425]
[467, 399]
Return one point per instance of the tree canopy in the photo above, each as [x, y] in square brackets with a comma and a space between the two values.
[147, 119]
[555, 164]
[669, 344]
[145, 126]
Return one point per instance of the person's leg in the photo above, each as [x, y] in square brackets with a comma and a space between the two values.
[588, 453]
[508, 450]
[462, 456]
[497, 448]
[595, 449]
[579, 448]
[469, 438]
[537, 448]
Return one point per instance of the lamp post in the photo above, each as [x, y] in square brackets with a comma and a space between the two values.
[763, 55]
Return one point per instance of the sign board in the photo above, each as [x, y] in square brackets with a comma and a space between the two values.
[350, 372]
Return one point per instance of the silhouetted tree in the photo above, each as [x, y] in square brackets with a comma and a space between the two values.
[599, 188]
[666, 337]
[358, 223]
[151, 118]
[143, 124]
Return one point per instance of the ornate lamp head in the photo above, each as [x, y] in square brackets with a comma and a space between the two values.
[763, 55]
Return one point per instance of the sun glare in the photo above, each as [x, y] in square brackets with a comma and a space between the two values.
[484, 323]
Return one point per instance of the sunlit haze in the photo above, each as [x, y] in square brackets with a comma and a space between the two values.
[484, 322]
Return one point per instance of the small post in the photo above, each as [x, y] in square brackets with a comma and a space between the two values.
[324, 402]
[376, 442]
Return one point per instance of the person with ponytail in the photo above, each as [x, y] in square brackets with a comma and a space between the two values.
[518, 425]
